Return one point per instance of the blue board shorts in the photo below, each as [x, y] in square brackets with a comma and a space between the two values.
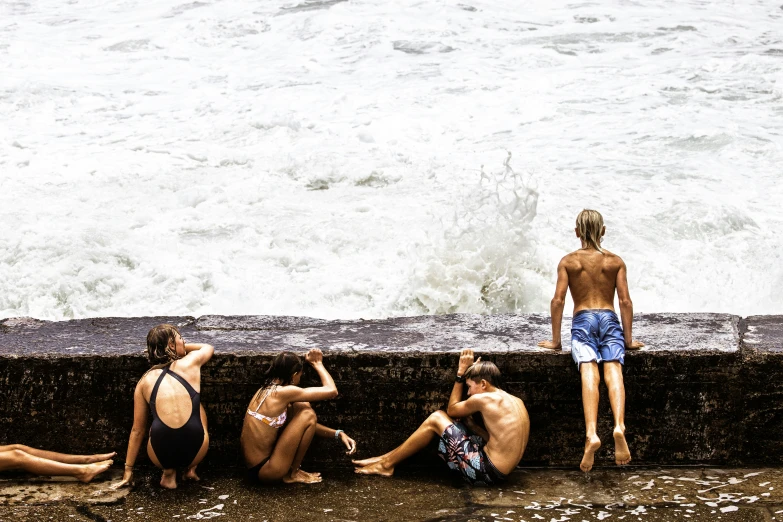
[596, 335]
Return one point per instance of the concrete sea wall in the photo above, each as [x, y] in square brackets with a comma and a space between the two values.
[706, 389]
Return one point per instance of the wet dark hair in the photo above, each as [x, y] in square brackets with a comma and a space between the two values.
[158, 339]
[484, 370]
[283, 368]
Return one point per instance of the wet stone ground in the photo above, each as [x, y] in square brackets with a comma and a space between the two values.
[550, 495]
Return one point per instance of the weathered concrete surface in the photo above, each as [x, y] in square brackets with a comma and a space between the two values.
[684, 390]
[30, 491]
[530, 495]
[762, 349]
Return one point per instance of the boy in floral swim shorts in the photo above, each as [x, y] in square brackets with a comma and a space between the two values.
[483, 457]
[592, 273]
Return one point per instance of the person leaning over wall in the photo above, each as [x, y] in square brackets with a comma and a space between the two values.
[482, 456]
[593, 274]
[280, 424]
[172, 389]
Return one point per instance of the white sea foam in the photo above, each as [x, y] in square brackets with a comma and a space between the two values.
[325, 158]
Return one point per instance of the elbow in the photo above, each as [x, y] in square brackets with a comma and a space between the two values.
[626, 303]
[558, 302]
[451, 412]
[333, 394]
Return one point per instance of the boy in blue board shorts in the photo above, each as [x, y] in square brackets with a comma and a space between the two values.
[593, 274]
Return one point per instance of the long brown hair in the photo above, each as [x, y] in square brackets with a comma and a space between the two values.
[159, 339]
[283, 368]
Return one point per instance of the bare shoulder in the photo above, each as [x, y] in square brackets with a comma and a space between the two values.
[614, 259]
[285, 392]
[150, 376]
[147, 381]
[482, 399]
[570, 260]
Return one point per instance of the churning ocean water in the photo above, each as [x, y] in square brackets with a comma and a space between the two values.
[360, 158]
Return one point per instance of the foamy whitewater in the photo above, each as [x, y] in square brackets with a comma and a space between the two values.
[346, 159]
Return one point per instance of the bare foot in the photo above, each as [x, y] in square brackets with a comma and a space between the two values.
[375, 468]
[91, 470]
[169, 479]
[301, 477]
[591, 446]
[190, 474]
[622, 455]
[89, 459]
[367, 462]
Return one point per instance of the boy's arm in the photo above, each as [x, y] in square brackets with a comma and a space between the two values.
[556, 307]
[457, 407]
[626, 308]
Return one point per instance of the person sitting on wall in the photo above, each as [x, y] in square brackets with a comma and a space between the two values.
[482, 456]
[178, 435]
[280, 423]
[592, 273]
[17, 457]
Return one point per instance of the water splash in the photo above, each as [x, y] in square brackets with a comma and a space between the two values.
[482, 260]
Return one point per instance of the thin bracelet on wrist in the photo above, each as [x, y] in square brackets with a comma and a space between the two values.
[337, 434]
[129, 466]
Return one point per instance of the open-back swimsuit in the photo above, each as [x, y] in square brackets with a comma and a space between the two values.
[273, 422]
[176, 447]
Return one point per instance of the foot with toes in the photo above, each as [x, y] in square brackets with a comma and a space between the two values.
[302, 477]
[169, 479]
[622, 455]
[190, 474]
[592, 443]
[92, 470]
[102, 457]
[373, 467]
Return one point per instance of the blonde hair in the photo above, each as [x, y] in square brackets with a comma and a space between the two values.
[589, 225]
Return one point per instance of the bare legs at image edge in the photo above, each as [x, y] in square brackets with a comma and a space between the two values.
[50, 463]
[613, 376]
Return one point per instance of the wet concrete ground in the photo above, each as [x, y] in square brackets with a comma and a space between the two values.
[550, 495]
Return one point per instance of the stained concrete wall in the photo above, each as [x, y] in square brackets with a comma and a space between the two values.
[705, 389]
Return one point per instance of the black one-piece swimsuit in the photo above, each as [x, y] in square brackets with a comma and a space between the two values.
[176, 448]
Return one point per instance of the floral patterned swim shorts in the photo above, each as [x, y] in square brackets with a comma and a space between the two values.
[464, 452]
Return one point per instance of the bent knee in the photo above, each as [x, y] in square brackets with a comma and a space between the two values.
[19, 455]
[309, 415]
[439, 417]
[272, 473]
[304, 413]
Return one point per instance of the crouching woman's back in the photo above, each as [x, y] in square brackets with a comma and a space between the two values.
[171, 392]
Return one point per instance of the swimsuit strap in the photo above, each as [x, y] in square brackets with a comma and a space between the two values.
[274, 422]
[154, 394]
[190, 389]
[268, 391]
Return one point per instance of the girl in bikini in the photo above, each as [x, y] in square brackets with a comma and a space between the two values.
[178, 435]
[280, 424]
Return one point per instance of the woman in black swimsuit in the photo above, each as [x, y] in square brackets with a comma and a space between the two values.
[178, 436]
[280, 423]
